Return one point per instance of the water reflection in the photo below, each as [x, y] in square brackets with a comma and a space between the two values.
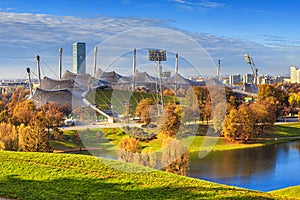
[265, 168]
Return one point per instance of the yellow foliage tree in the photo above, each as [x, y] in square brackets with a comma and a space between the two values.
[8, 137]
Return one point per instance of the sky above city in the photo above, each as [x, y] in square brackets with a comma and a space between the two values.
[267, 30]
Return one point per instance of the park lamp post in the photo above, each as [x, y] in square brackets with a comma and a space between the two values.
[158, 55]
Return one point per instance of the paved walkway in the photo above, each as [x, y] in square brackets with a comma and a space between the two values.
[101, 125]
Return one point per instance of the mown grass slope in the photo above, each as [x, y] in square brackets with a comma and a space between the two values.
[59, 176]
[287, 130]
[291, 192]
[119, 98]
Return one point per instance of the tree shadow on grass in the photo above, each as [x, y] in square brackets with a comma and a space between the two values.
[13, 186]
[287, 130]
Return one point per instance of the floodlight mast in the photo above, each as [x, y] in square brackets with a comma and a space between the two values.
[176, 72]
[29, 80]
[158, 55]
[95, 60]
[133, 69]
[250, 61]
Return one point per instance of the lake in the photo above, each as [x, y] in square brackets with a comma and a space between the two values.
[264, 168]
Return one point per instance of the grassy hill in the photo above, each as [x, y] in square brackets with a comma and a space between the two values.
[62, 176]
[288, 192]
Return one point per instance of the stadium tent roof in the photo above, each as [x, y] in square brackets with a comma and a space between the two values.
[63, 97]
[84, 80]
[177, 78]
[51, 84]
[111, 77]
[180, 80]
[140, 77]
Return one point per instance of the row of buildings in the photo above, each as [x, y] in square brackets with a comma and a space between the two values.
[236, 79]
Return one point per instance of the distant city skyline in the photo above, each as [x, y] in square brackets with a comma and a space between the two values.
[267, 30]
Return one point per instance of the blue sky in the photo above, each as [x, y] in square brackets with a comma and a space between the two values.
[267, 30]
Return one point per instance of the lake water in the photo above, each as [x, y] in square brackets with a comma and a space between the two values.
[264, 168]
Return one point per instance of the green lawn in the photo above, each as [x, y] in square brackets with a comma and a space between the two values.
[287, 130]
[61, 176]
[118, 98]
[108, 138]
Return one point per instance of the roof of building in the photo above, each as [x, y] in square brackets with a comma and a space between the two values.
[63, 97]
[84, 80]
[111, 77]
[52, 84]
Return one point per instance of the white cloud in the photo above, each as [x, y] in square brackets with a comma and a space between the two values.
[200, 3]
[23, 36]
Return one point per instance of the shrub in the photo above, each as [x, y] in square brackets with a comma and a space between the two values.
[139, 133]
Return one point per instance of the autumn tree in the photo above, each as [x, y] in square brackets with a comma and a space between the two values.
[232, 104]
[265, 116]
[231, 125]
[294, 100]
[23, 112]
[168, 92]
[143, 110]
[66, 109]
[206, 111]
[50, 115]
[128, 147]
[8, 136]
[218, 116]
[273, 95]
[191, 113]
[239, 124]
[172, 120]
[20, 94]
[33, 139]
[175, 158]
[247, 122]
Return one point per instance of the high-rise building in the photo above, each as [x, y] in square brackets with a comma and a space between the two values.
[79, 63]
[295, 74]
[234, 79]
[248, 78]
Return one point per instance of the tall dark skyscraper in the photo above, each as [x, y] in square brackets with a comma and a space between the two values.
[79, 63]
